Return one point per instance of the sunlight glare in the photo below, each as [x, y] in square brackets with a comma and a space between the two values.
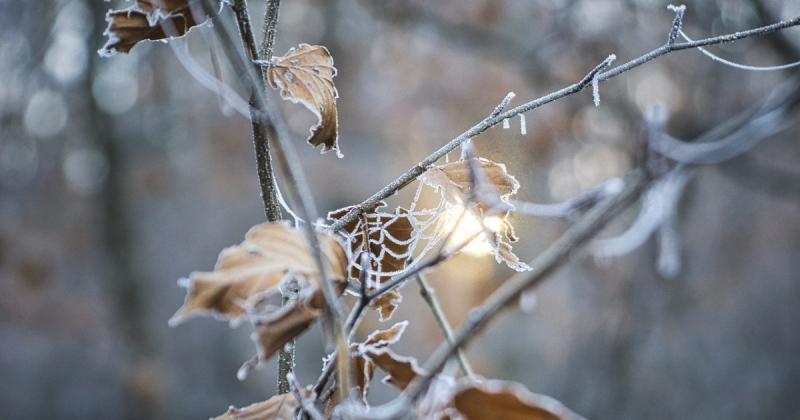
[470, 225]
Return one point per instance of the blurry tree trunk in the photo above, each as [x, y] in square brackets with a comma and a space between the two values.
[124, 285]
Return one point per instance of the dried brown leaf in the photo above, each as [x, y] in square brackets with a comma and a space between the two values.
[281, 407]
[151, 20]
[401, 369]
[507, 400]
[386, 304]
[255, 267]
[305, 75]
[362, 368]
[277, 329]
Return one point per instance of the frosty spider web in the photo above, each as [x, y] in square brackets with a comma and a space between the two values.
[391, 255]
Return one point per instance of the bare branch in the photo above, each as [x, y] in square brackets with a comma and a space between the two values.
[266, 176]
[677, 23]
[415, 171]
[270, 29]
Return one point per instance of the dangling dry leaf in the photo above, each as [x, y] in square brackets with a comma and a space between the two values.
[279, 407]
[255, 267]
[508, 401]
[274, 330]
[389, 237]
[305, 75]
[454, 182]
[151, 20]
[247, 273]
[402, 370]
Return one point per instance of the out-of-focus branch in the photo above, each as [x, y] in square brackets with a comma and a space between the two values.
[429, 295]
[415, 171]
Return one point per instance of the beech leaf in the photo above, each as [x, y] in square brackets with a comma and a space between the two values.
[304, 75]
[151, 20]
[282, 406]
[492, 399]
[257, 266]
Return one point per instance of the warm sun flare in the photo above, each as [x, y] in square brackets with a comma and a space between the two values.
[469, 225]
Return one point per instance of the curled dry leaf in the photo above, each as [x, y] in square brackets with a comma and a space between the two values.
[389, 236]
[151, 20]
[507, 400]
[386, 303]
[247, 273]
[362, 368]
[283, 407]
[305, 75]
[454, 182]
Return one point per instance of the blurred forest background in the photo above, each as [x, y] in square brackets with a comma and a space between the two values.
[118, 176]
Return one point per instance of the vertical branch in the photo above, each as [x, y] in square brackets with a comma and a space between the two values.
[266, 175]
[270, 29]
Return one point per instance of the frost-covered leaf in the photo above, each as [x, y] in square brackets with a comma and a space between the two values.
[386, 304]
[401, 369]
[305, 75]
[389, 236]
[382, 338]
[454, 182]
[247, 274]
[454, 179]
[493, 399]
[283, 407]
[151, 20]
[255, 267]
[276, 329]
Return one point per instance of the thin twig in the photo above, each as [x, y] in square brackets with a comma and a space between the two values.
[306, 403]
[415, 171]
[270, 29]
[429, 296]
[266, 177]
